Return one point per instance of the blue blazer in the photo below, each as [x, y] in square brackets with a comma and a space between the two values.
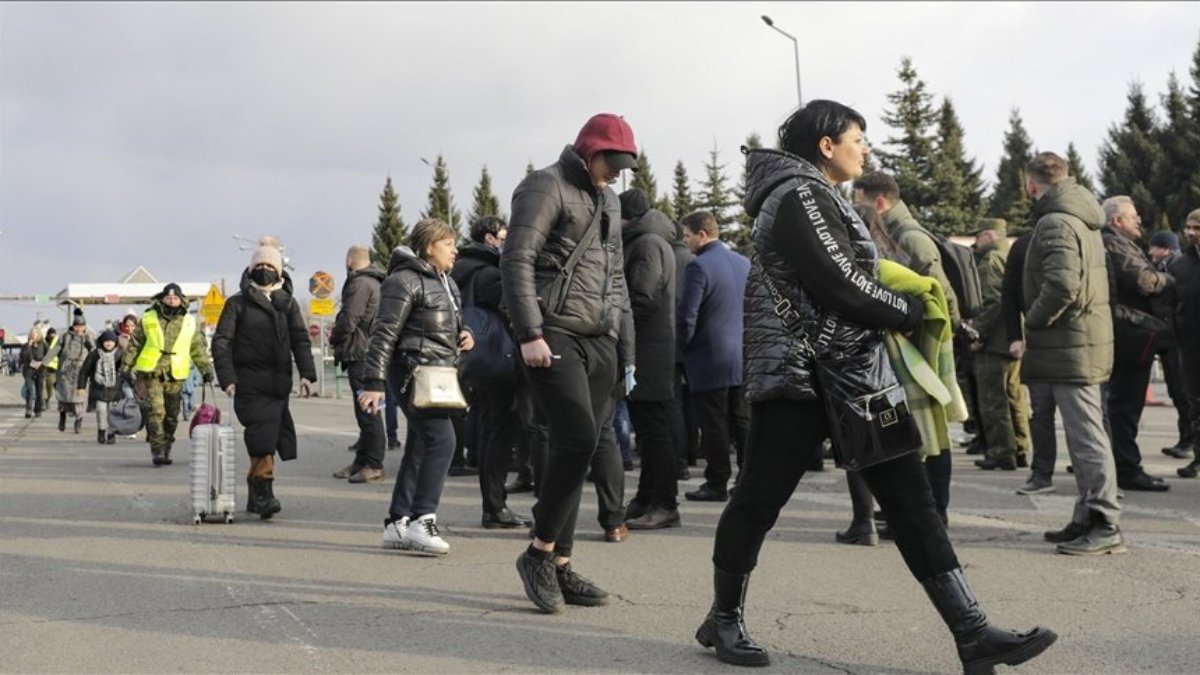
[709, 318]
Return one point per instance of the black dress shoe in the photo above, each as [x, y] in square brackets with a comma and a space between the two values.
[1144, 483]
[394, 445]
[993, 463]
[462, 470]
[707, 493]
[634, 510]
[519, 485]
[656, 518]
[503, 520]
[1180, 450]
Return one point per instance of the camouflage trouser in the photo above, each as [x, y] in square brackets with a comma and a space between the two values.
[1003, 405]
[162, 411]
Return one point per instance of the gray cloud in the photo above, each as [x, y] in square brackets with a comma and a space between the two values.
[150, 133]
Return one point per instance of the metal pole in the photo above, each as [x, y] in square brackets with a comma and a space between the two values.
[795, 49]
[321, 372]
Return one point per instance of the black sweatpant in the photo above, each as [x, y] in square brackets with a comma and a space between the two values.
[1173, 375]
[658, 484]
[574, 396]
[784, 434]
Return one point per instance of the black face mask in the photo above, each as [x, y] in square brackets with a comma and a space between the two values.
[264, 276]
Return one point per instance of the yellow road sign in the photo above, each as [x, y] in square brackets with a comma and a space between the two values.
[211, 306]
[320, 307]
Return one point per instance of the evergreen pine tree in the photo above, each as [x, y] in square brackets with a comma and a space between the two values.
[390, 231]
[1009, 199]
[956, 179]
[664, 204]
[910, 160]
[682, 201]
[441, 202]
[1077, 169]
[715, 195]
[643, 178]
[1177, 183]
[486, 203]
[1131, 155]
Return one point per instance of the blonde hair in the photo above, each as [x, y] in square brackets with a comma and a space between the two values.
[427, 233]
[359, 256]
[35, 334]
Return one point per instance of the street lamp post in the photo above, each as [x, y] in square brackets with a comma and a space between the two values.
[795, 47]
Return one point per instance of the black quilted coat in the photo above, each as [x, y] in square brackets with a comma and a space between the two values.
[821, 259]
[419, 319]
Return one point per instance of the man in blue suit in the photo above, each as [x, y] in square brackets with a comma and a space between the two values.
[709, 330]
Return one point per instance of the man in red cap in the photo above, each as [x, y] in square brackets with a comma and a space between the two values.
[564, 287]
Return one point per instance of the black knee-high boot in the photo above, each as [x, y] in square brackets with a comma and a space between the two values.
[725, 629]
[981, 646]
[862, 527]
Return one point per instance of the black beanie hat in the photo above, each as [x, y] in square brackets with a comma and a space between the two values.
[634, 204]
[172, 289]
[1165, 239]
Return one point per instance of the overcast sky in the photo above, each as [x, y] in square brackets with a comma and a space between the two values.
[152, 133]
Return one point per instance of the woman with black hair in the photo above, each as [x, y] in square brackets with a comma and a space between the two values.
[814, 250]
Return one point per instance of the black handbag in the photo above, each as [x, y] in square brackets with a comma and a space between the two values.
[867, 414]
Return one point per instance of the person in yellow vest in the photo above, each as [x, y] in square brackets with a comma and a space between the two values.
[160, 356]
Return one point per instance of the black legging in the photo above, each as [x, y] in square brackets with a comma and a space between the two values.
[784, 434]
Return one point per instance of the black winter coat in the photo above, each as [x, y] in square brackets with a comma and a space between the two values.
[477, 271]
[1186, 271]
[551, 209]
[682, 257]
[420, 317]
[30, 353]
[87, 377]
[253, 347]
[821, 258]
[360, 303]
[650, 279]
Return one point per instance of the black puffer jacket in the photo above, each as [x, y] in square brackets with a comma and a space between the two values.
[419, 319]
[650, 276]
[821, 258]
[360, 303]
[477, 271]
[551, 210]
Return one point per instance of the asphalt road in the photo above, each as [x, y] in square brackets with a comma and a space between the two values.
[101, 570]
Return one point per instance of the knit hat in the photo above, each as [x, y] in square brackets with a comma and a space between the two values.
[1165, 239]
[106, 336]
[268, 255]
[634, 204]
[997, 224]
[172, 289]
[79, 320]
[609, 133]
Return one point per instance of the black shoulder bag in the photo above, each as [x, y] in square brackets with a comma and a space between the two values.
[867, 413]
[554, 298]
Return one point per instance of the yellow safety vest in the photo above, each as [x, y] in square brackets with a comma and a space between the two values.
[53, 363]
[152, 350]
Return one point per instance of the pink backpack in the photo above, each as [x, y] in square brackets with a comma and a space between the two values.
[207, 413]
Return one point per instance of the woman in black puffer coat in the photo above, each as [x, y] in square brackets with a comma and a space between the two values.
[260, 333]
[818, 254]
[419, 324]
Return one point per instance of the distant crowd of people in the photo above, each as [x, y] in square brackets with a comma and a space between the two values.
[590, 320]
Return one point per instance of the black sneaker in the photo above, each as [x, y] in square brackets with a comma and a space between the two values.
[578, 589]
[538, 573]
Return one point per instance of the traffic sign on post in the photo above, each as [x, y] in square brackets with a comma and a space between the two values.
[211, 306]
[321, 285]
[320, 306]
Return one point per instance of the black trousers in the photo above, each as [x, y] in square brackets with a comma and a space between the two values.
[658, 485]
[784, 435]
[722, 416]
[427, 452]
[499, 425]
[574, 396]
[685, 432]
[371, 438]
[1126, 401]
[1189, 365]
[608, 475]
[1172, 373]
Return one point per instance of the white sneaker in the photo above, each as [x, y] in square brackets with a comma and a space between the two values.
[422, 535]
[394, 532]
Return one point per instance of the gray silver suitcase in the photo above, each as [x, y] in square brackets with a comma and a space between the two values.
[213, 470]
